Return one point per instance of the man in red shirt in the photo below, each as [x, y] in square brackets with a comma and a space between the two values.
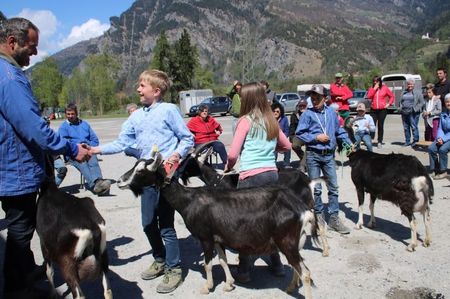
[340, 93]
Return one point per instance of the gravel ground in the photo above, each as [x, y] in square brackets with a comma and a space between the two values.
[367, 263]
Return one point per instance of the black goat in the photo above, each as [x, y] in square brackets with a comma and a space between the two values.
[250, 221]
[293, 179]
[72, 234]
[397, 178]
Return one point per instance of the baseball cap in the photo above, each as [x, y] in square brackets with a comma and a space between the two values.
[361, 107]
[317, 88]
[338, 75]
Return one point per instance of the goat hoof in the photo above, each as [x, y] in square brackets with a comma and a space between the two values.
[204, 290]
[371, 225]
[426, 243]
[325, 253]
[108, 294]
[358, 226]
[411, 248]
[228, 287]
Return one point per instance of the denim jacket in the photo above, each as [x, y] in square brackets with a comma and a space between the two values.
[24, 134]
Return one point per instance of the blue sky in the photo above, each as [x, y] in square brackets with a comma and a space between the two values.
[64, 23]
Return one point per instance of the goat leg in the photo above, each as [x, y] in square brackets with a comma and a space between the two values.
[360, 223]
[372, 222]
[224, 263]
[427, 220]
[208, 250]
[306, 280]
[323, 240]
[412, 223]
[107, 293]
[50, 275]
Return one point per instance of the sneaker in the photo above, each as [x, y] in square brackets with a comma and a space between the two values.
[101, 186]
[336, 224]
[414, 144]
[440, 176]
[156, 269]
[379, 145]
[172, 279]
[406, 144]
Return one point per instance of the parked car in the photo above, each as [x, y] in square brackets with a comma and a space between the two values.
[219, 104]
[289, 100]
[359, 96]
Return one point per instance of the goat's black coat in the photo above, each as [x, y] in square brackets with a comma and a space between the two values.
[58, 213]
[388, 177]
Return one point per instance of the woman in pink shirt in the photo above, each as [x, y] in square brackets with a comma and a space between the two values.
[381, 97]
[256, 139]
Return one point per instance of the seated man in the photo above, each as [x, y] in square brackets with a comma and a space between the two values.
[205, 128]
[79, 131]
[363, 126]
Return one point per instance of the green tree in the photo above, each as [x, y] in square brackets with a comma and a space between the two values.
[351, 81]
[74, 90]
[162, 54]
[47, 82]
[101, 74]
[186, 60]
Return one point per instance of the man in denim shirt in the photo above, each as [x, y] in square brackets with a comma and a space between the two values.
[319, 128]
[80, 131]
[156, 124]
[25, 138]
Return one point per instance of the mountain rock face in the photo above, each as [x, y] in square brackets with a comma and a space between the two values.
[274, 38]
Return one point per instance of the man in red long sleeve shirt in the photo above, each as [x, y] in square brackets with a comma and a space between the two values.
[340, 93]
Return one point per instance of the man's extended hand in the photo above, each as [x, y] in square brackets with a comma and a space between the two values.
[83, 153]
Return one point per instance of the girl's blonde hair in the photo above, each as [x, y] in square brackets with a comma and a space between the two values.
[255, 105]
[156, 79]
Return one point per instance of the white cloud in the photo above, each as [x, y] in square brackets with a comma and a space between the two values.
[51, 40]
[92, 28]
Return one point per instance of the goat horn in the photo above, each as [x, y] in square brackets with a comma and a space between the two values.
[156, 162]
[201, 147]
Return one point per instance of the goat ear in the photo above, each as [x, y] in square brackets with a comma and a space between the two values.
[157, 160]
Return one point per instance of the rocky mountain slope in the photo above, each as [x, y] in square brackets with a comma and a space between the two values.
[272, 38]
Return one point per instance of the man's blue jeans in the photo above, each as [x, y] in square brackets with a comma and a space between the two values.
[90, 170]
[20, 216]
[158, 224]
[411, 123]
[318, 163]
[360, 136]
[439, 156]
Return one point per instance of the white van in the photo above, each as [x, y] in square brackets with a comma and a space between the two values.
[397, 84]
[189, 98]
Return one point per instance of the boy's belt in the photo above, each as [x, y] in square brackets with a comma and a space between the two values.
[320, 151]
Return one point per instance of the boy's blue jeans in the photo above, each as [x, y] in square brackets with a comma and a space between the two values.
[360, 136]
[158, 224]
[324, 163]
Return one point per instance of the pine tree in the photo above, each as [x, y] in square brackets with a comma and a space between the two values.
[186, 60]
[162, 55]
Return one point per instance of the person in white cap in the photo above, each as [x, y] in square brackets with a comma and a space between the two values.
[319, 129]
[362, 126]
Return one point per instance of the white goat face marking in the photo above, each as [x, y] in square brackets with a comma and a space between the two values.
[139, 167]
[420, 187]
[84, 238]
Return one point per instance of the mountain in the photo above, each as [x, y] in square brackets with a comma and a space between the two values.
[275, 39]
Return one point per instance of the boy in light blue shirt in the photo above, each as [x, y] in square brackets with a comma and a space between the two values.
[159, 124]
